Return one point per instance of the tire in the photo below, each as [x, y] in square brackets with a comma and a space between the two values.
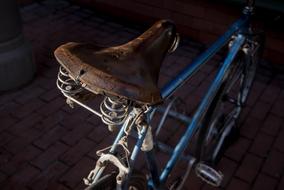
[219, 123]
[137, 181]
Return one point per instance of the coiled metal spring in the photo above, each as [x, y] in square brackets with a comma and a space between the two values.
[114, 111]
[67, 85]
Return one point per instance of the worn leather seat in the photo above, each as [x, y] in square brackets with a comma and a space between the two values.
[130, 70]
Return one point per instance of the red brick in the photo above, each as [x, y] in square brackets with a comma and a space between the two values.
[260, 110]
[50, 137]
[236, 184]
[50, 155]
[99, 133]
[272, 124]
[22, 141]
[193, 182]
[277, 108]
[274, 165]
[80, 131]
[21, 178]
[27, 109]
[74, 154]
[281, 184]
[227, 167]
[29, 95]
[279, 143]
[25, 124]
[2, 177]
[75, 175]
[50, 95]
[255, 92]
[237, 150]
[6, 121]
[264, 182]
[71, 123]
[249, 168]
[49, 176]
[270, 93]
[250, 128]
[20, 159]
[52, 107]
[261, 145]
[5, 137]
[5, 156]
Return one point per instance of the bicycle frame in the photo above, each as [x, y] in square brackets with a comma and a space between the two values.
[159, 179]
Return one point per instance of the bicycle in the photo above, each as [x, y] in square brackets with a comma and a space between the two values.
[130, 104]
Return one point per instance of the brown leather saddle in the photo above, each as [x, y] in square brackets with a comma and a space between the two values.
[130, 70]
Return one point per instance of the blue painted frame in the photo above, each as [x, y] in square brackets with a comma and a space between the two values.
[158, 180]
[181, 78]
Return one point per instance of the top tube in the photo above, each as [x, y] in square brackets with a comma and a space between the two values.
[187, 72]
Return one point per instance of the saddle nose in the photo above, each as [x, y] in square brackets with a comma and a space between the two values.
[130, 70]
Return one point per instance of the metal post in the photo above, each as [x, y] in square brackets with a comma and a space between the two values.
[16, 64]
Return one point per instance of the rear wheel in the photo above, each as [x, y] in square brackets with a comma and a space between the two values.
[219, 123]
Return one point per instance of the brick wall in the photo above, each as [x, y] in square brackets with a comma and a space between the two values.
[202, 20]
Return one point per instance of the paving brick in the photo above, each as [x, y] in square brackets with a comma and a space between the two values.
[21, 178]
[75, 175]
[279, 143]
[52, 107]
[25, 124]
[29, 95]
[2, 177]
[22, 141]
[250, 128]
[277, 108]
[5, 156]
[80, 131]
[274, 165]
[249, 168]
[99, 133]
[27, 109]
[50, 95]
[52, 120]
[74, 154]
[48, 178]
[264, 182]
[260, 110]
[193, 182]
[238, 149]
[255, 93]
[270, 93]
[50, 155]
[281, 184]
[20, 159]
[6, 121]
[227, 167]
[261, 145]
[272, 125]
[236, 184]
[52, 136]
[5, 137]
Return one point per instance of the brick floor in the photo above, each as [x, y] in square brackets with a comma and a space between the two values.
[44, 144]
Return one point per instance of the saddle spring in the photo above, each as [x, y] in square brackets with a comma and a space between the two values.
[67, 85]
[114, 111]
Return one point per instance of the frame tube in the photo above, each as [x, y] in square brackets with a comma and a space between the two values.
[181, 146]
[189, 70]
